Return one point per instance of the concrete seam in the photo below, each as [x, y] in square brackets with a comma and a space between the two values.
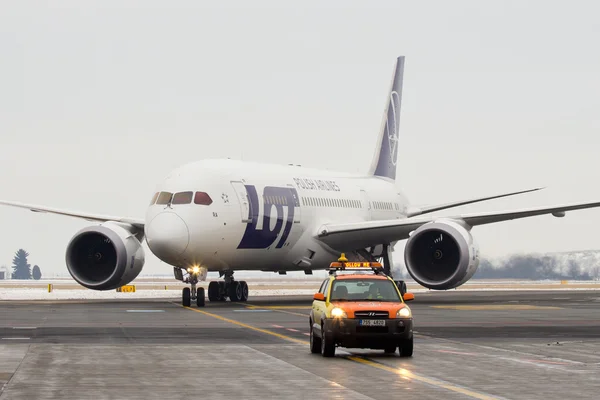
[3, 388]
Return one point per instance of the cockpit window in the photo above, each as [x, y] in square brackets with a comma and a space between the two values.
[202, 198]
[182, 198]
[164, 198]
[154, 198]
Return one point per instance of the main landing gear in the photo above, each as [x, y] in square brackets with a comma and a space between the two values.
[228, 288]
[387, 267]
[383, 253]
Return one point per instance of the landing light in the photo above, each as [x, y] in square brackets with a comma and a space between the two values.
[194, 270]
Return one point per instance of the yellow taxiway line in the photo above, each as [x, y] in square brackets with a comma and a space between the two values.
[496, 307]
[243, 325]
[404, 373]
[281, 309]
[398, 371]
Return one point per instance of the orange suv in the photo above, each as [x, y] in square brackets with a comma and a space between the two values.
[362, 309]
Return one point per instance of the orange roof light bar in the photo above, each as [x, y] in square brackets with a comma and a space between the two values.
[343, 264]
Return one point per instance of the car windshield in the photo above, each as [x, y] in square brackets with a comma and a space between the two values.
[364, 289]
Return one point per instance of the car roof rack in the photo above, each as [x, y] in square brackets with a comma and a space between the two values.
[342, 264]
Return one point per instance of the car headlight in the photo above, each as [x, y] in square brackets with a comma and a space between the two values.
[338, 313]
[404, 313]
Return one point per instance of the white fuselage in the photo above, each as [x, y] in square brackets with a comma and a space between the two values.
[262, 217]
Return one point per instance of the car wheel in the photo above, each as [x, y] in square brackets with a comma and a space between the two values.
[315, 342]
[327, 345]
[406, 348]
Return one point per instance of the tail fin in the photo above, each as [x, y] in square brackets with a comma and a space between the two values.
[386, 152]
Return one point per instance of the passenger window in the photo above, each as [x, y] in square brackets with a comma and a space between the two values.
[164, 198]
[154, 198]
[321, 289]
[202, 198]
[182, 198]
[326, 288]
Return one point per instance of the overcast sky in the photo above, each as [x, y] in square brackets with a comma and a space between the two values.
[100, 100]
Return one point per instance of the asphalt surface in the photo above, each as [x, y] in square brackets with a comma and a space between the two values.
[515, 345]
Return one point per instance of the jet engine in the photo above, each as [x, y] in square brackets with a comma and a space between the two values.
[106, 256]
[441, 255]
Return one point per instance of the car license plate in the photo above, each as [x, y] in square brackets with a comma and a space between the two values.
[372, 322]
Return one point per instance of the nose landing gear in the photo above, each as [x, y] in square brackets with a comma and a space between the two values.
[192, 293]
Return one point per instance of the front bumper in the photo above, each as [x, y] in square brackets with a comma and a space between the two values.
[347, 332]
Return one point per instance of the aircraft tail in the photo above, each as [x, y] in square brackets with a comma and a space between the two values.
[386, 151]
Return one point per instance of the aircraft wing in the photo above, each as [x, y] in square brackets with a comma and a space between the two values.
[138, 223]
[359, 235]
[429, 209]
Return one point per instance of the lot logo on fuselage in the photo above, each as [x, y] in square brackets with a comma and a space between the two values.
[280, 198]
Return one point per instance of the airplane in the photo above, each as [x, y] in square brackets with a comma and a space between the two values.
[228, 215]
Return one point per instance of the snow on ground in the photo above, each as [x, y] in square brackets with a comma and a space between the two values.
[85, 294]
[81, 294]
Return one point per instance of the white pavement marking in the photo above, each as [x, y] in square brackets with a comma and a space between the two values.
[143, 311]
[15, 338]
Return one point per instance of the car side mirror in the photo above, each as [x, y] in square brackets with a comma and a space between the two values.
[408, 297]
[319, 297]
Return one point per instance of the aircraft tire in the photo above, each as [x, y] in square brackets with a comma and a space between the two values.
[200, 297]
[213, 291]
[186, 297]
[244, 291]
[235, 291]
[402, 287]
[223, 293]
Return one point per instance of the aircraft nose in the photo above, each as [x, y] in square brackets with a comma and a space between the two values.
[167, 235]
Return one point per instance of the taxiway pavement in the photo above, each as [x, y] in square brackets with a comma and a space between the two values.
[515, 345]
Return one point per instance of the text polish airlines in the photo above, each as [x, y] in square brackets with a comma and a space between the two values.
[227, 215]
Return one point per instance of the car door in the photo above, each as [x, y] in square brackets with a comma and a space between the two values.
[319, 307]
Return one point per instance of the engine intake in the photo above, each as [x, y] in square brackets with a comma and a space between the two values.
[441, 255]
[105, 257]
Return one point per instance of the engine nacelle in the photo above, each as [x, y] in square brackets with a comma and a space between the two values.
[105, 257]
[441, 255]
